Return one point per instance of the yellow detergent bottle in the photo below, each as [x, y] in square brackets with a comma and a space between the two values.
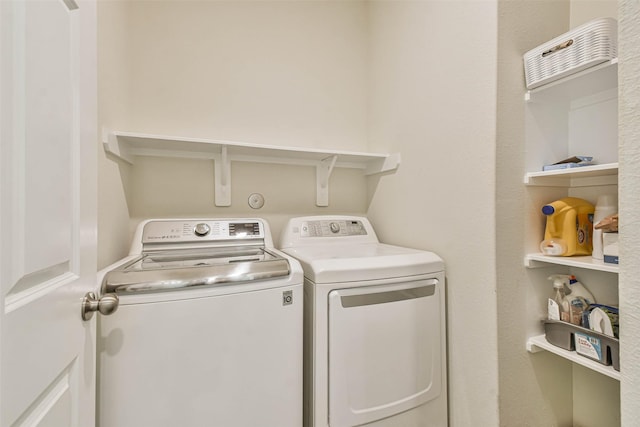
[569, 227]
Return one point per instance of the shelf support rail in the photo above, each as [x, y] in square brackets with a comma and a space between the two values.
[323, 172]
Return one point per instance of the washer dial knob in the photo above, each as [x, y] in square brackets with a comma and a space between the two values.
[202, 229]
[334, 227]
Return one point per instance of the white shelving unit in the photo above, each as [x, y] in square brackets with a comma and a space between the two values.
[594, 80]
[540, 343]
[584, 176]
[127, 145]
[536, 260]
[550, 109]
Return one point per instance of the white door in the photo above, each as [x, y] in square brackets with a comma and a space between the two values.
[47, 211]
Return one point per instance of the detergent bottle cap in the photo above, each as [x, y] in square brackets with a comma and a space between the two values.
[548, 210]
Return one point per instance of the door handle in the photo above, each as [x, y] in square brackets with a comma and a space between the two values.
[106, 305]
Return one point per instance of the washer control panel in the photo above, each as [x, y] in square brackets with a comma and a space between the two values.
[332, 228]
[172, 231]
[201, 229]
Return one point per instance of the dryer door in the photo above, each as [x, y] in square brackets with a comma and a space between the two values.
[384, 350]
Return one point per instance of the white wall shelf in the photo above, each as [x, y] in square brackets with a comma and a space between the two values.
[128, 145]
[584, 176]
[600, 78]
[539, 343]
[538, 260]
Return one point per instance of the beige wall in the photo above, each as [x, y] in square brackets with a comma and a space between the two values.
[432, 94]
[596, 398]
[271, 72]
[185, 187]
[543, 378]
[266, 72]
[113, 111]
[629, 132]
[297, 73]
[439, 82]
[586, 10]
[557, 391]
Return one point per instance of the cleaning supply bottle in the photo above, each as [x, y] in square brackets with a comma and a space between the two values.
[558, 305]
[574, 306]
[578, 290]
[569, 227]
[606, 205]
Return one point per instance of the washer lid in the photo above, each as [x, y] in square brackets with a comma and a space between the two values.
[354, 263]
[166, 270]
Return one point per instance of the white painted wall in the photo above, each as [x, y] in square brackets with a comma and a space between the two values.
[297, 73]
[433, 98]
[270, 72]
[558, 392]
[184, 187]
[585, 10]
[113, 110]
[440, 82]
[596, 398]
[629, 134]
[544, 379]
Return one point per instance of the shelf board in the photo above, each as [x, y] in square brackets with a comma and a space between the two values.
[605, 174]
[594, 80]
[537, 260]
[538, 343]
[127, 145]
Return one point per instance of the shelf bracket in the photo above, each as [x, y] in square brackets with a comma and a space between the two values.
[323, 172]
[115, 147]
[532, 263]
[222, 166]
[389, 163]
[532, 347]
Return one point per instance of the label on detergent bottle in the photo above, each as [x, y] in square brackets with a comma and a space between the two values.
[588, 346]
[584, 225]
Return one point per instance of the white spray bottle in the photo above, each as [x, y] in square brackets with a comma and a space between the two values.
[558, 306]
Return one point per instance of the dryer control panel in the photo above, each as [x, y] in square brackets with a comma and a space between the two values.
[327, 230]
[332, 228]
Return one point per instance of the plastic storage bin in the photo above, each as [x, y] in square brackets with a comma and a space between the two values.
[583, 47]
[585, 342]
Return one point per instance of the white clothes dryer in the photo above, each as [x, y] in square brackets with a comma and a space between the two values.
[375, 340]
[208, 331]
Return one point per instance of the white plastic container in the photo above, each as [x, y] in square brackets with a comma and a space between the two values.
[575, 306]
[558, 308]
[578, 290]
[606, 205]
[583, 47]
[610, 248]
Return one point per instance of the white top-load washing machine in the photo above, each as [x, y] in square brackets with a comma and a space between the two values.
[208, 331]
[374, 326]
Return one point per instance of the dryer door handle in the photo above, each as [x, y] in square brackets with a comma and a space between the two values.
[360, 300]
